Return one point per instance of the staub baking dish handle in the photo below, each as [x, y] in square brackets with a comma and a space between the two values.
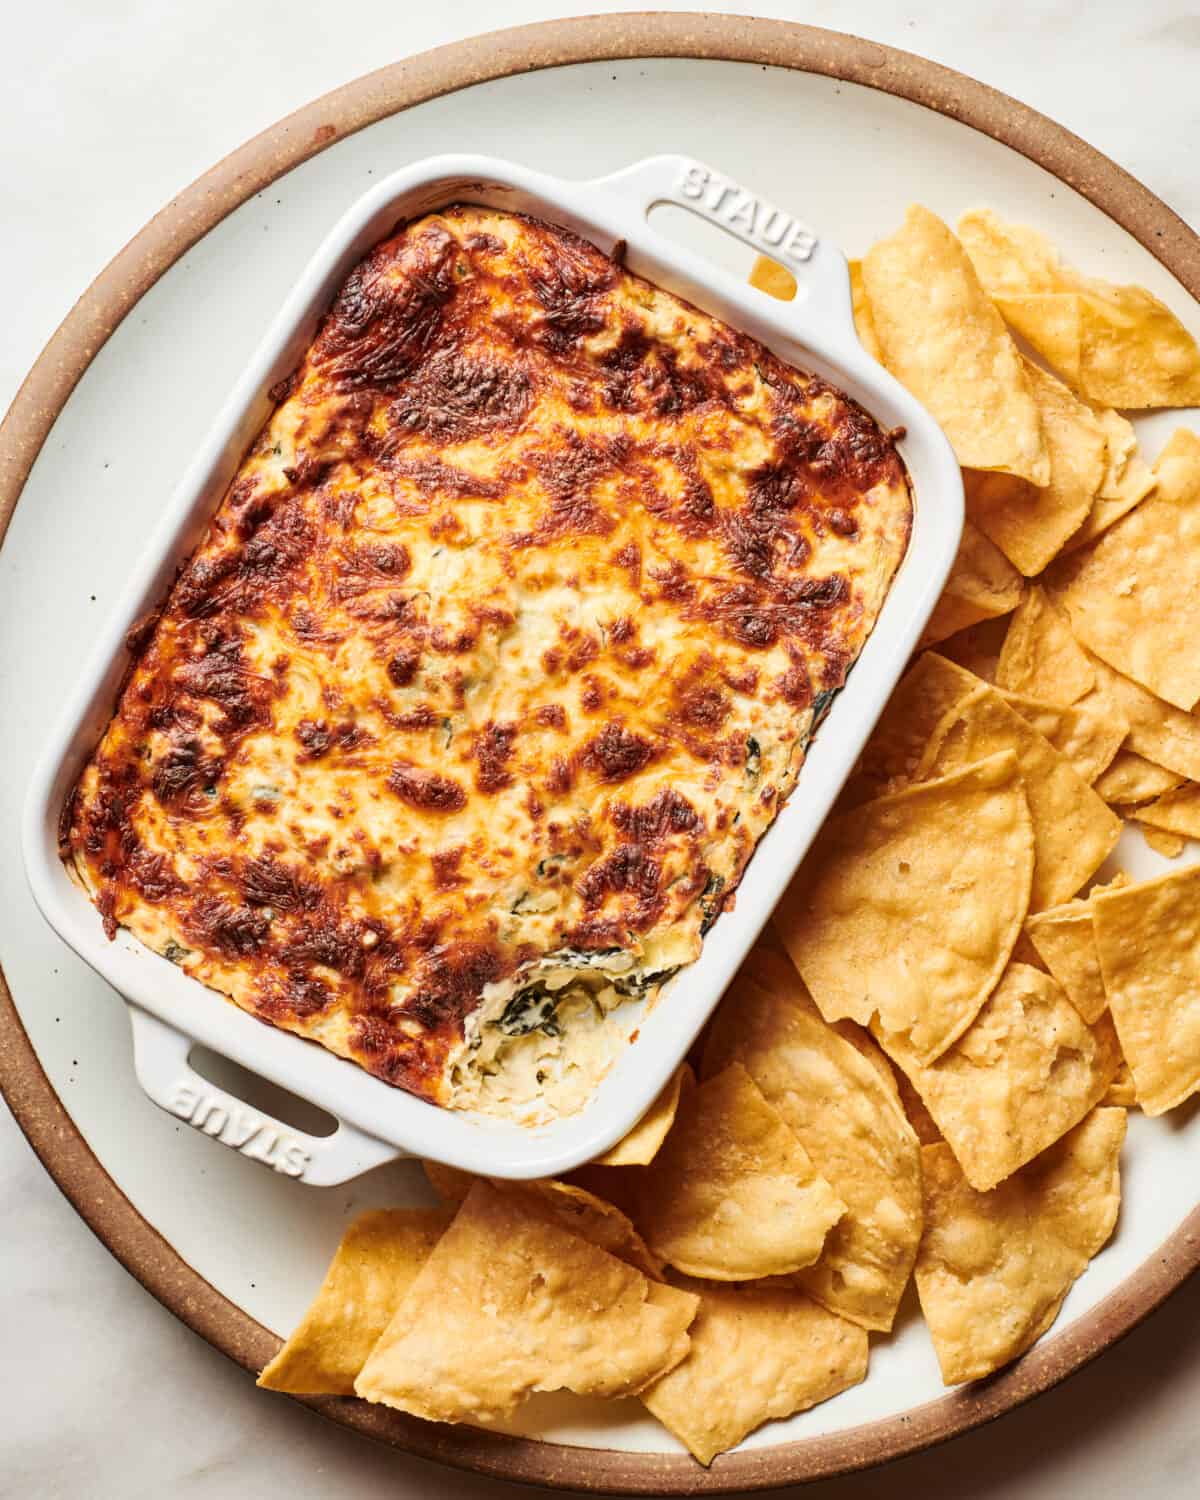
[160, 1059]
[822, 301]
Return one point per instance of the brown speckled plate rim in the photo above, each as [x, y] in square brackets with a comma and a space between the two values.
[37, 1108]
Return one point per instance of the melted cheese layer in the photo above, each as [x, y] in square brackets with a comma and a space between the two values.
[501, 653]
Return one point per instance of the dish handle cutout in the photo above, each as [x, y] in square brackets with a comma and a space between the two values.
[160, 1057]
[822, 298]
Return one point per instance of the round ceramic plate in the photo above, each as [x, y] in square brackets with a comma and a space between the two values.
[845, 133]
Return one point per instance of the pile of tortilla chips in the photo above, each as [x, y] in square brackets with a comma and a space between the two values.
[922, 1071]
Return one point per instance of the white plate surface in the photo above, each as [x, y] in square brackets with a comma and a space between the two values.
[845, 158]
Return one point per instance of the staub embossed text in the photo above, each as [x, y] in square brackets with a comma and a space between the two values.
[778, 233]
[240, 1128]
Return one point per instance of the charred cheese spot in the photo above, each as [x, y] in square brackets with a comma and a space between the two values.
[499, 656]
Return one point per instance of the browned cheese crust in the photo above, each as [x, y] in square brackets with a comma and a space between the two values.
[506, 641]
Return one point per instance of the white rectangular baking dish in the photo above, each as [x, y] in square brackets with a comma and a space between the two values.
[170, 1011]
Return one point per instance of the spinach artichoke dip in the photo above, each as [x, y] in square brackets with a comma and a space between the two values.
[498, 658]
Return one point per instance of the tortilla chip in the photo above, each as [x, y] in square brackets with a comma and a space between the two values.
[509, 1303]
[376, 1262]
[1148, 938]
[757, 1353]
[1031, 524]
[1128, 478]
[918, 1115]
[1169, 845]
[588, 1214]
[1134, 598]
[1163, 734]
[733, 1195]
[863, 1043]
[451, 1184]
[1064, 938]
[1011, 260]
[942, 338]
[896, 913]
[643, 1141]
[982, 585]
[1086, 736]
[1041, 658]
[1116, 345]
[848, 1121]
[995, 1267]
[1050, 323]
[1025, 1072]
[592, 1217]
[1025, 953]
[770, 277]
[1073, 830]
[1133, 351]
[930, 687]
[1105, 513]
[1120, 450]
[864, 318]
[1133, 779]
[977, 649]
[1121, 1092]
[1176, 811]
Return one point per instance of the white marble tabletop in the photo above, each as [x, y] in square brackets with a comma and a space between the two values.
[107, 110]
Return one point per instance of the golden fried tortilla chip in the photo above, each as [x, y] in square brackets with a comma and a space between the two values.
[1052, 324]
[849, 1122]
[1121, 1092]
[451, 1184]
[733, 1195]
[1025, 953]
[930, 687]
[982, 585]
[864, 318]
[509, 1303]
[1148, 939]
[1040, 657]
[1131, 779]
[1157, 730]
[1073, 830]
[757, 1353]
[1134, 597]
[942, 338]
[643, 1141]
[1115, 345]
[1024, 1072]
[862, 1041]
[977, 649]
[1169, 845]
[897, 913]
[770, 277]
[1063, 936]
[1120, 449]
[1106, 512]
[1088, 737]
[1176, 811]
[1128, 478]
[1133, 351]
[1011, 260]
[994, 1267]
[586, 1213]
[376, 1262]
[592, 1217]
[1031, 524]
[918, 1115]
